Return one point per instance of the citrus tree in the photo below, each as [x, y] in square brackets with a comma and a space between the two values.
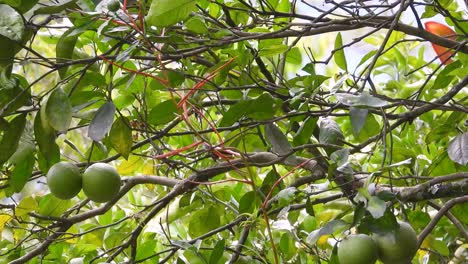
[216, 131]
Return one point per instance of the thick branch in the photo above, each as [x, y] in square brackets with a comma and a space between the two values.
[439, 187]
[438, 216]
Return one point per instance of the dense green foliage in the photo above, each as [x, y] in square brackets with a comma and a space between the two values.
[244, 131]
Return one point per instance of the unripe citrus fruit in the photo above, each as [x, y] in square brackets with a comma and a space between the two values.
[101, 182]
[113, 6]
[64, 180]
[357, 249]
[398, 246]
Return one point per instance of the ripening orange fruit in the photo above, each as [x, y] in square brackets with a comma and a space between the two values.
[442, 30]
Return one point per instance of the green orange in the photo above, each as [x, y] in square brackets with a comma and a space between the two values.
[113, 6]
[357, 249]
[101, 182]
[398, 246]
[64, 180]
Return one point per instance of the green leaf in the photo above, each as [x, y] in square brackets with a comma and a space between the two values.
[7, 53]
[358, 117]
[371, 127]
[45, 139]
[64, 50]
[286, 196]
[339, 54]
[294, 56]
[23, 160]
[382, 224]
[304, 134]
[376, 207]
[102, 122]
[460, 211]
[419, 219]
[49, 205]
[309, 68]
[458, 149]
[260, 108]
[440, 247]
[340, 157]
[58, 110]
[11, 23]
[13, 95]
[197, 25]
[11, 137]
[27, 205]
[263, 107]
[235, 113]
[330, 132]
[163, 13]
[272, 50]
[367, 57]
[270, 179]
[288, 249]
[279, 142]
[21, 5]
[163, 113]
[146, 249]
[248, 202]
[362, 100]
[203, 221]
[217, 252]
[328, 229]
[55, 8]
[120, 136]
[309, 207]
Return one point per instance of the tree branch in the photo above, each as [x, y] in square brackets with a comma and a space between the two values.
[438, 216]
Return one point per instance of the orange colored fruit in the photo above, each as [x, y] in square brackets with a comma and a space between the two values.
[442, 30]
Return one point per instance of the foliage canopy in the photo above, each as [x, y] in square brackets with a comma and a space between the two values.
[245, 131]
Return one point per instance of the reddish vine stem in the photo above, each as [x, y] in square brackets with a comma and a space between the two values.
[265, 202]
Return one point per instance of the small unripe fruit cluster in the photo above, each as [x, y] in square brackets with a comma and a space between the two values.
[394, 247]
[100, 182]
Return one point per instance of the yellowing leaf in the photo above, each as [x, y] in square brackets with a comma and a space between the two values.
[148, 168]
[327, 215]
[72, 239]
[4, 218]
[130, 166]
[120, 137]
[322, 242]
[26, 205]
